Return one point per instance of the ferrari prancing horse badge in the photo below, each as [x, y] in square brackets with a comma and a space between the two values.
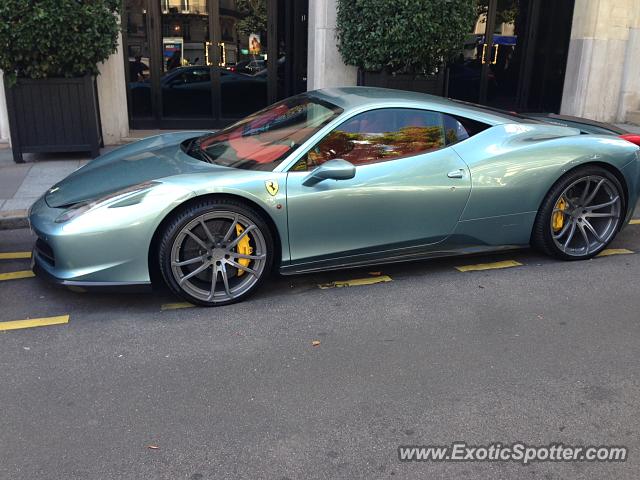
[272, 187]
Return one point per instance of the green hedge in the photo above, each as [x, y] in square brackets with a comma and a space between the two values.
[403, 36]
[56, 38]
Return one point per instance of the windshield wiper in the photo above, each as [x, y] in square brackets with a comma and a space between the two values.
[195, 150]
[187, 144]
[205, 156]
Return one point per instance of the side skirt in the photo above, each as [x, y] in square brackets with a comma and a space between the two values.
[356, 261]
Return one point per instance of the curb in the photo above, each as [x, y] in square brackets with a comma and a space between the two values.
[13, 219]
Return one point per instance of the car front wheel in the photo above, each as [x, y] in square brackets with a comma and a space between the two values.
[216, 252]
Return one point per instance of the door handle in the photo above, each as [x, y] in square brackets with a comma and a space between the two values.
[456, 173]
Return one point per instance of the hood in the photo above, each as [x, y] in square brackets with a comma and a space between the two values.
[148, 159]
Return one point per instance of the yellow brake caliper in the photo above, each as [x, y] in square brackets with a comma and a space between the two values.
[557, 220]
[243, 247]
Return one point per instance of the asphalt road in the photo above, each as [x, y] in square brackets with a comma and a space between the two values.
[540, 353]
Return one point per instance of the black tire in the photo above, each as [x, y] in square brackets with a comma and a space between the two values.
[542, 237]
[216, 216]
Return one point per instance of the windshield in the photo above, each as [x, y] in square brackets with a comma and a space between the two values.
[262, 140]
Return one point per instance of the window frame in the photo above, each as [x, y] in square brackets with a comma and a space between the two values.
[321, 135]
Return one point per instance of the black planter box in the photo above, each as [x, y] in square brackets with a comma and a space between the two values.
[432, 84]
[54, 115]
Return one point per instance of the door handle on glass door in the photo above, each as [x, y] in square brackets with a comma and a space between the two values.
[456, 174]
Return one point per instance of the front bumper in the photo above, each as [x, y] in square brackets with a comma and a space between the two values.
[41, 267]
[104, 247]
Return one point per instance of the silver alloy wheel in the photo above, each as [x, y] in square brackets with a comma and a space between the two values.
[205, 261]
[589, 218]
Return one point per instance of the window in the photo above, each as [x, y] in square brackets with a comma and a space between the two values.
[198, 75]
[460, 128]
[187, 76]
[379, 136]
[389, 134]
[262, 140]
[454, 131]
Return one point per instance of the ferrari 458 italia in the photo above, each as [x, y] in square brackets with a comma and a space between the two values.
[330, 179]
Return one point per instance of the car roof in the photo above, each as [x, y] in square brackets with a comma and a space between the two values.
[350, 98]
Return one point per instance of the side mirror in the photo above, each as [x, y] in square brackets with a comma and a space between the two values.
[336, 169]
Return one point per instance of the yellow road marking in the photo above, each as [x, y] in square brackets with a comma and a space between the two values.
[356, 282]
[16, 275]
[489, 266]
[34, 322]
[14, 255]
[635, 221]
[175, 306]
[613, 251]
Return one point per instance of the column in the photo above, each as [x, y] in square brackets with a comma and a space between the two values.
[325, 66]
[599, 63]
[112, 95]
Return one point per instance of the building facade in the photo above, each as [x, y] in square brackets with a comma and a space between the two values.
[206, 63]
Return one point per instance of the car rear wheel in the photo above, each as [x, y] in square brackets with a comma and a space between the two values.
[216, 252]
[580, 215]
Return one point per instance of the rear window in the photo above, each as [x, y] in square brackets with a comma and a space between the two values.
[458, 128]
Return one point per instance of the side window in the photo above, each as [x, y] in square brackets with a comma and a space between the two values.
[379, 136]
[454, 131]
[198, 75]
[190, 76]
[459, 128]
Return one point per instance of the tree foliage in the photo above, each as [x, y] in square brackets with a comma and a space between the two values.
[254, 18]
[56, 38]
[506, 11]
[404, 36]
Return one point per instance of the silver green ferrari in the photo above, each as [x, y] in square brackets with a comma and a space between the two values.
[330, 179]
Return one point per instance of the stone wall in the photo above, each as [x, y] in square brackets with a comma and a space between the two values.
[602, 79]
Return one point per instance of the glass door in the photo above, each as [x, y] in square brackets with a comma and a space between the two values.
[138, 59]
[510, 27]
[543, 76]
[489, 70]
[242, 57]
[469, 72]
[186, 87]
[207, 63]
[292, 48]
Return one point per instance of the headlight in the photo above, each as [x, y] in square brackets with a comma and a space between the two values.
[121, 198]
[77, 209]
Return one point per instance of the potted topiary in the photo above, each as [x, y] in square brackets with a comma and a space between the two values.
[403, 44]
[49, 53]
